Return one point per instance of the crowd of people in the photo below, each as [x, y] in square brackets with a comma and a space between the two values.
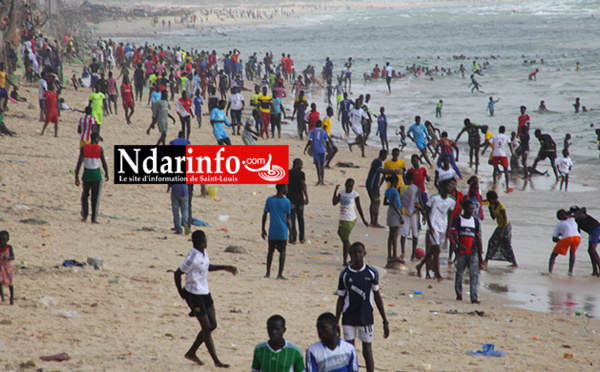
[194, 78]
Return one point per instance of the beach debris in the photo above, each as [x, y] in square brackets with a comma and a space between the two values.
[487, 350]
[223, 229]
[424, 367]
[149, 229]
[28, 364]
[236, 249]
[6, 322]
[35, 221]
[395, 265]
[96, 262]
[417, 292]
[198, 222]
[48, 301]
[60, 357]
[70, 263]
[66, 314]
[235, 310]
[569, 356]
[113, 281]
[347, 164]
[223, 217]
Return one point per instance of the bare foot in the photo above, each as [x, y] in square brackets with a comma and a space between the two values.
[440, 279]
[281, 277]
[221, 365]
[418, 271]
[514, 265]
[267, 276]
[83, 219]
[194, 358]
[377, 226]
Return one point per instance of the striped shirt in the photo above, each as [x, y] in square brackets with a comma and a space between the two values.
[287, 359]
[85, 127]
[319, 358]
[92, 154]
[446, 145]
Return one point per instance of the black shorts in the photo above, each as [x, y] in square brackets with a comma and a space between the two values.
[373, 194]
[198, 303]
[277, 244]
[551, 155]
[224, 141]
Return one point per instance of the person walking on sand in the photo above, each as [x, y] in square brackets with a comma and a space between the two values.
[196, 294]
[298, 195]
[438, 214]
[348, 199]
[373, 184]
[500, 243]
[358, 288]
[7, 255]
[91, 156]
[279, 209]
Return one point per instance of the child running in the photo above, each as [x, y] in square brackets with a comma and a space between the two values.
[197, 295]
[357, 283]
[567, 238]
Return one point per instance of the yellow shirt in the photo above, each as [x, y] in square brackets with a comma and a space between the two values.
[2, 79]
[265, 103]
[327, 124]
[498, 214]
[488, 136]
[398, 164]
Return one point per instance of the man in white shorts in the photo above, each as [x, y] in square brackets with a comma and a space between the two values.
[357, 282]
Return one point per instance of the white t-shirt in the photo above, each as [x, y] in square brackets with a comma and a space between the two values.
[566, 229]
[390, 71]
[564, 165]
[356, 116]
[500, 141]
[347, 204]
[195, 266]
[42, 88]
[320, 358]
[439, 212]
[444, 174]
[236, 101]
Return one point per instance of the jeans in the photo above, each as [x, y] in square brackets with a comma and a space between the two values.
[297, 212]
[462, 262]
[452, 163]
[94, 187]
[179, 203]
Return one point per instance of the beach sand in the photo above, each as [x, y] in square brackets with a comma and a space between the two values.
[140, 323]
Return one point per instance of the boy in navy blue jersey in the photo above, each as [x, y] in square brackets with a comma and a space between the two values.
[357, 282]
[468, 250]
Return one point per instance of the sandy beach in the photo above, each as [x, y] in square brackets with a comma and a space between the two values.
[128, 315]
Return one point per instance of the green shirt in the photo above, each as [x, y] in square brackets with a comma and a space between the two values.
[288, 359]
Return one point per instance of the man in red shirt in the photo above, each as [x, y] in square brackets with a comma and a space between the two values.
[289, 62]
[50, 109]
[421, 175]
[127, 96]
[183, 109]
[524, 119]
[313, 117]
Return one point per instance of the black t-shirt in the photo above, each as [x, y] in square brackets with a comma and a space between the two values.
[587, 224]
[525, 142]
[547, 143]
[139, 76]
[94, 67]
[295, 195]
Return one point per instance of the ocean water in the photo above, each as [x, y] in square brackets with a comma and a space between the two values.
[561, 32]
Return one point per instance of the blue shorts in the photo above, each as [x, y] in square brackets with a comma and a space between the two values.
[421, 145]
[348, 74]
[424, 198]
[319, 158]
[595, 236]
